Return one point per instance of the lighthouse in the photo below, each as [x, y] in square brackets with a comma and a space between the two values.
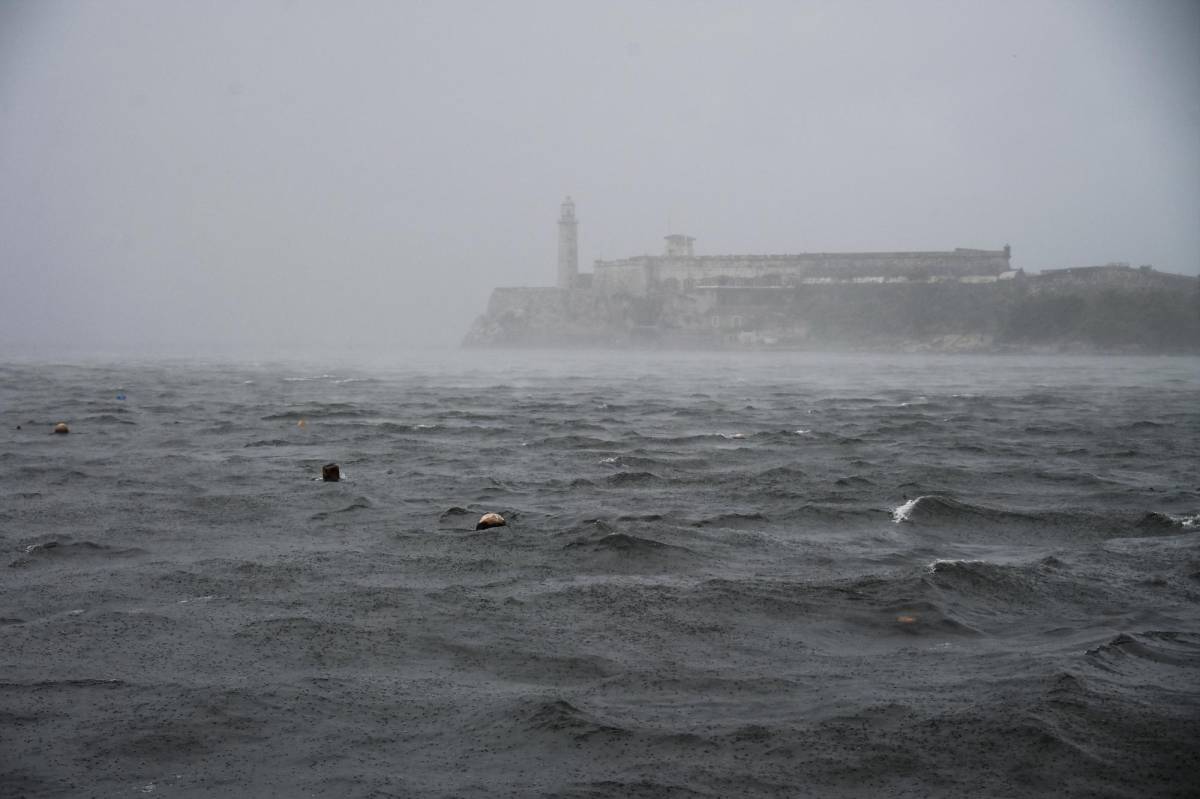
[568, 245]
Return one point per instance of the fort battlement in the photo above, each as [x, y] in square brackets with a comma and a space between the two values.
[963, 298]
[646, 274]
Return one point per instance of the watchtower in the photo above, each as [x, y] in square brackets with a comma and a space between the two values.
[568, 245]
[679, 246]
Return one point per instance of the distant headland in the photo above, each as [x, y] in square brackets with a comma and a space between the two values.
[956, 300]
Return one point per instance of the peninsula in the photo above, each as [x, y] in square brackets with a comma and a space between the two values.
[955, 300]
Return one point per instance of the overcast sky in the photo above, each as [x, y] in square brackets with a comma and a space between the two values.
[258, 177]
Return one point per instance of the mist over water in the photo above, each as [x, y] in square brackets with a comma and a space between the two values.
[256, 179]
[240, 242]
[753, 575]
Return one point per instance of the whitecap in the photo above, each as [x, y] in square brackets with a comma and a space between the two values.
[902, 513]
[933, 566]
[205, 598]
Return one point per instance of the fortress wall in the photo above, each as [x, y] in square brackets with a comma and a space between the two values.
[629, 276]
[846, 266]
[637, 275]
[522, 300]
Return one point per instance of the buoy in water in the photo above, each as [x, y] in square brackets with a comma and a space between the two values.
[490, 520]
[330, 473]
[61, 427]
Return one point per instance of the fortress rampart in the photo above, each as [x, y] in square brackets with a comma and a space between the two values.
[645, 274]
[962, 299]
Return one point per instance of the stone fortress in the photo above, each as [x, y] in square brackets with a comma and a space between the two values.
[679, 268]
[962, 299]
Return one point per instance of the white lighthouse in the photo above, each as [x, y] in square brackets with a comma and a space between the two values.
[568, 245]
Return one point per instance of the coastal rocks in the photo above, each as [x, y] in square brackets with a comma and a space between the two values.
[61, 428]
[330, 473]
[489, 520]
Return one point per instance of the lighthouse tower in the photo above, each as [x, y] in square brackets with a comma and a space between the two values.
[568, 245]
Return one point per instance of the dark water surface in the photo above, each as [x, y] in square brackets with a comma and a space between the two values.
[724, 576]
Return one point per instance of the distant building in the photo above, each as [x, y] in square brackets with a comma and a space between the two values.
[679, 246]
[680, 269]
[953, 300]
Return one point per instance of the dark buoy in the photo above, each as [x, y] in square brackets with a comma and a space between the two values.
[61, 427]
[330, 473]
[490, 520]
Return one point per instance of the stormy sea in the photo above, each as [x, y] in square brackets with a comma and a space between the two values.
[722, 575]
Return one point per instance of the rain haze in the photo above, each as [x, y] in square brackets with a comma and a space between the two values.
[294, 177]
[585, 400]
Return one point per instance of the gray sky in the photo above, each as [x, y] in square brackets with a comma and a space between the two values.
[262, 177]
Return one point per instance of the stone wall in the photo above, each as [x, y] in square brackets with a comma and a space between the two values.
[645, 274]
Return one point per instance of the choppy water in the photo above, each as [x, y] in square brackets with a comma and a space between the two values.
[763, 575]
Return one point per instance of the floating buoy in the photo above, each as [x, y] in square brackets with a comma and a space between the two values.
[330, 473]
[61, 427]
[490, 520]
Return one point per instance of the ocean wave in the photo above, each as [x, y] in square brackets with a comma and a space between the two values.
[398, 427]
[559, 717]
[1169, 648]
[625, 479]
[1165, 521]
[623, 543]
[995, 589]
[106, 418]
[575, 442]
[732, 520]
[1142, 425]
[52, 551]
[359, 503]
[876, 606]
[935, 509]
[329, 410]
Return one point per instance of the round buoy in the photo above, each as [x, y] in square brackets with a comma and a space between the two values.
[330, 473]
[61, 427]
[490, 520]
